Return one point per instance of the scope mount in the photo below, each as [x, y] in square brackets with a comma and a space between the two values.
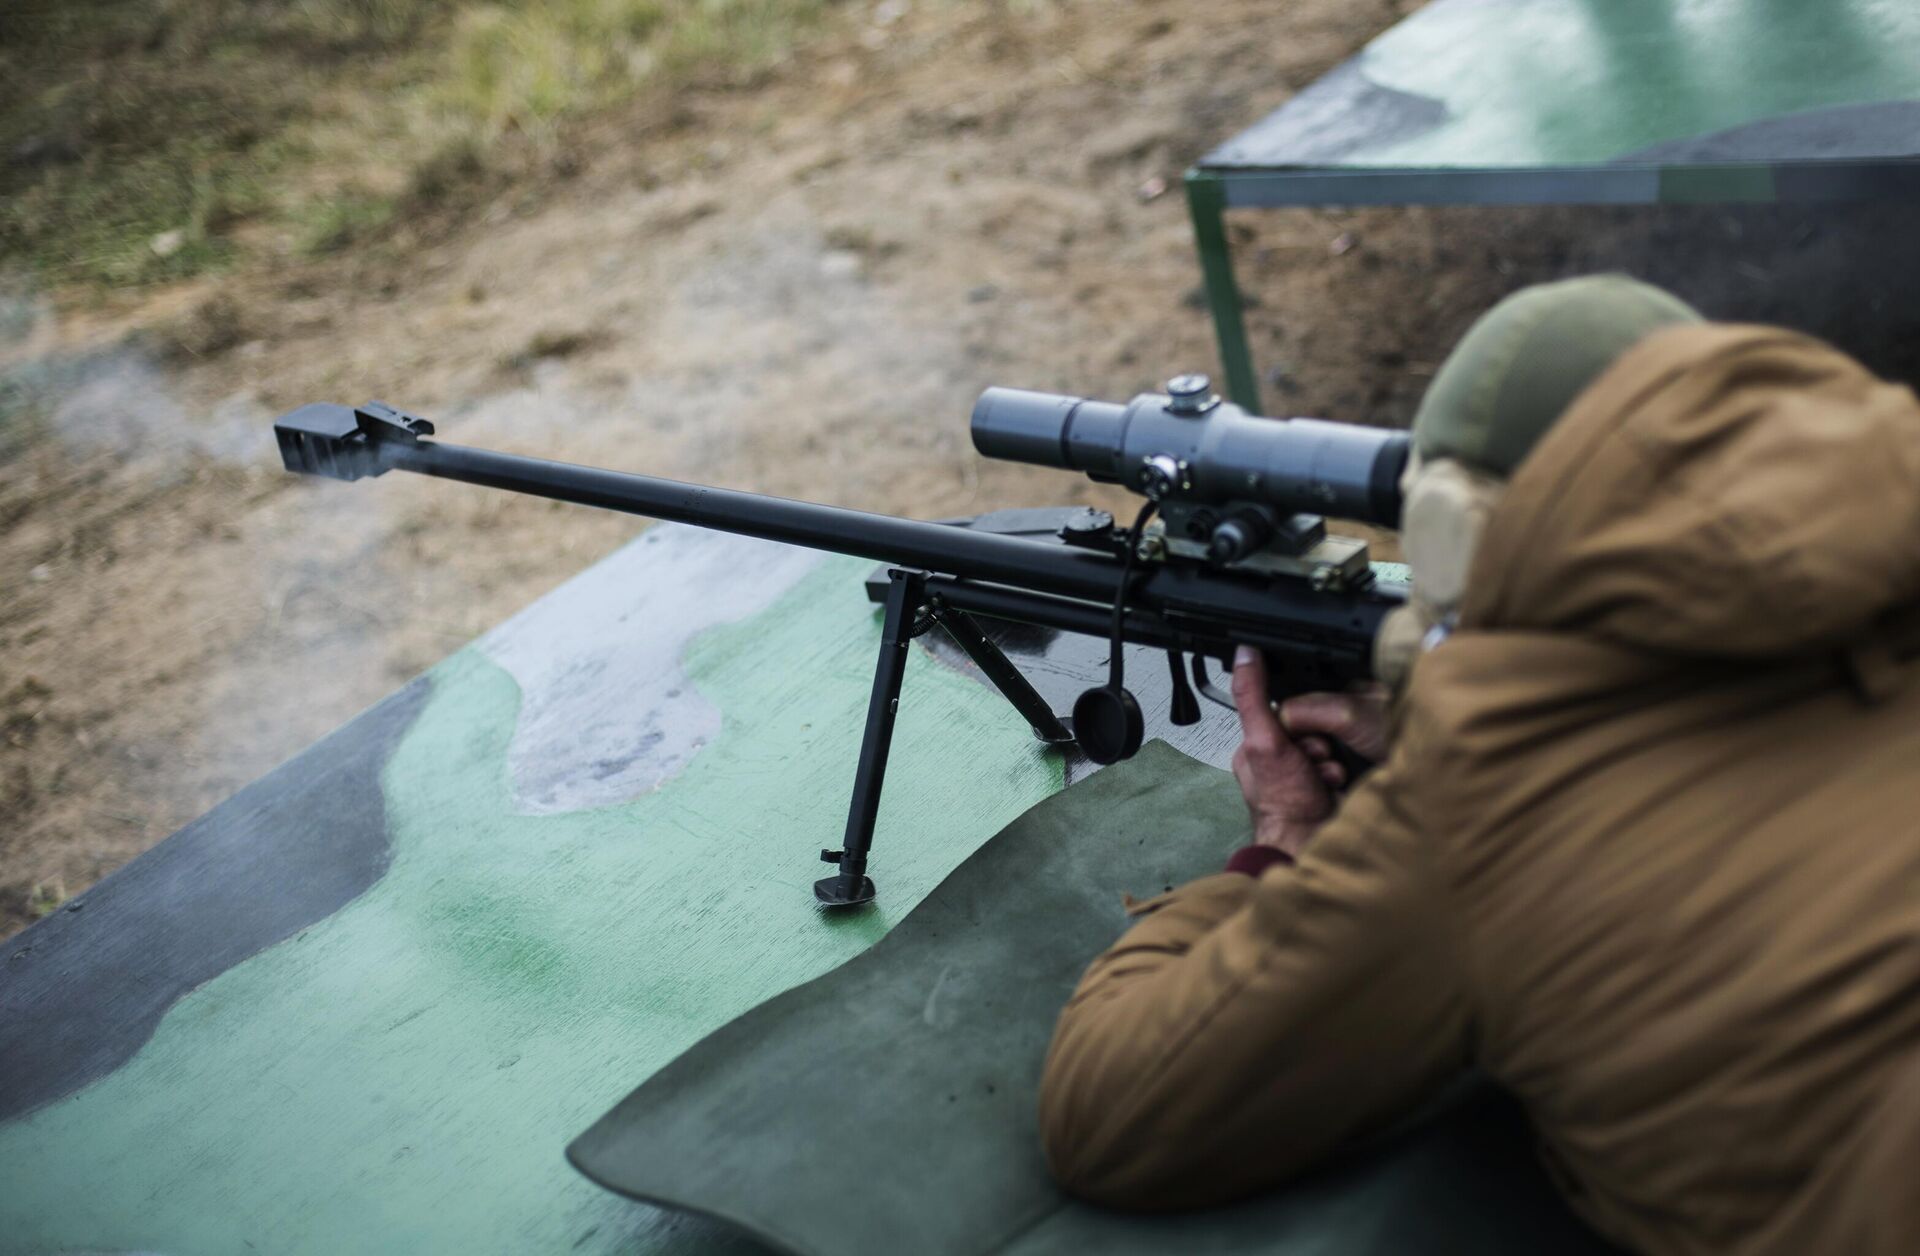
[1249, 537]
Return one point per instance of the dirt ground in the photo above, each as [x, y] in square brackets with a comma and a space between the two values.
[798, 289]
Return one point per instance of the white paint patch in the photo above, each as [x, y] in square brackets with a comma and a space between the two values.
[607, 713]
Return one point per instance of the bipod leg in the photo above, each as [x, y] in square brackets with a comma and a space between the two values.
[999, 669]
[905, 596]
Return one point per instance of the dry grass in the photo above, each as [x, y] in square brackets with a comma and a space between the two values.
[149, 140]
[529, 65]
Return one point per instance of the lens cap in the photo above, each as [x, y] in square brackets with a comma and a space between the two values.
[1108, 725]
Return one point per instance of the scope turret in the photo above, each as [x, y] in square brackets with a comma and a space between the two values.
[1187, 445]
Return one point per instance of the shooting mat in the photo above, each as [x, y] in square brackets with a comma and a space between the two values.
[888, 1106]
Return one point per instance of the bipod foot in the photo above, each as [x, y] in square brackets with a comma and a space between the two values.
[842, 889]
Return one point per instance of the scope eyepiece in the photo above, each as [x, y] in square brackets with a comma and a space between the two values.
[1223, 454]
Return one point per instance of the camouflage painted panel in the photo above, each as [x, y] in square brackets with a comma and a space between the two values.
[363, 1005]
[1547, 83]
[598, 850]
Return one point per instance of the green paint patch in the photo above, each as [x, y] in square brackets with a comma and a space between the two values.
[404, 1075]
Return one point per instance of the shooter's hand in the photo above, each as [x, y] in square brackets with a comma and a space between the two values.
[1286, 790]
[1357, 719]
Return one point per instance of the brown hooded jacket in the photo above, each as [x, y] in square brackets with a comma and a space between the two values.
[1647, 849]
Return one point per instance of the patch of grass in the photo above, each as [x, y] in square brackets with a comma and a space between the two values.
[150, 140]
[146, 131]
[453, 167]
[328, 226]
[526, 65]
[46, 897]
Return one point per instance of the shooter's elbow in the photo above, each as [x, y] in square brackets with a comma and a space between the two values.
[1090, 1154]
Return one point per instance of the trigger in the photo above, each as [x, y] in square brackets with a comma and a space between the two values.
[1208, 690]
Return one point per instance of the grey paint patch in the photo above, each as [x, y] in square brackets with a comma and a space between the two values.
[607, 713]
[1339, 115]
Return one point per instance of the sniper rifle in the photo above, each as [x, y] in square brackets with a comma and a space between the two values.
[1239, 553]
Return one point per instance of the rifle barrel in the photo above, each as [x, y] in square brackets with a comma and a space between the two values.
[938, 547]
[1262, 609]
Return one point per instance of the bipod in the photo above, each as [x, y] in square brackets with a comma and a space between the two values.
[908, 613]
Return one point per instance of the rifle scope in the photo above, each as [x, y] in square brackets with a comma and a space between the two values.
[1188, 445]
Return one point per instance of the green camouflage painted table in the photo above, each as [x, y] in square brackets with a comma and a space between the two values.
[363, 1005]
[1581, 102]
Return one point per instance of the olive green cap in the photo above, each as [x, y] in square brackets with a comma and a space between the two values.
[1524, 361]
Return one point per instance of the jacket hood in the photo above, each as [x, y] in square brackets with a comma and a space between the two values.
[1721, 491]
